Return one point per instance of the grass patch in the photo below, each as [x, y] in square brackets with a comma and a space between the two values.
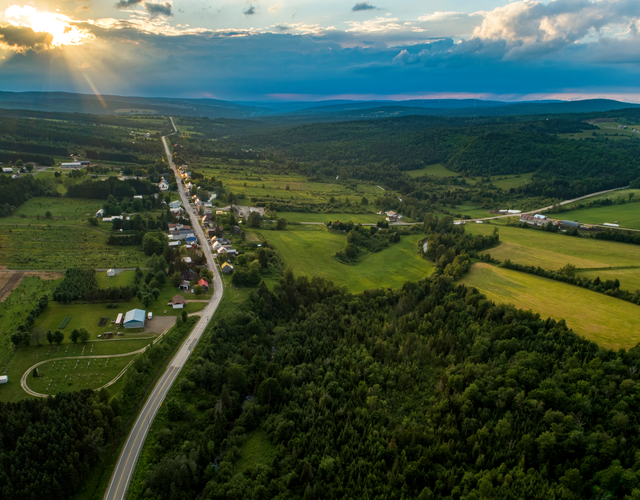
[629, 278]
[436, 170]
[511, 181]
[610, 322]
[256, 450]
[123, 278]
[308, 251]
[26, 357]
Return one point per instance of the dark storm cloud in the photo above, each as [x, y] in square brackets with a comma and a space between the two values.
[123, 4]
[250, 11]
[363, 6]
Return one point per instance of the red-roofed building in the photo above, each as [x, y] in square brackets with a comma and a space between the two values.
[204, 284]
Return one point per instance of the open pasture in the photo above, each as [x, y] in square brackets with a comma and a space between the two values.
[308, 251]
[610, 322]
[76, 208]
[627, 215]
[552, 251]
[629, 278]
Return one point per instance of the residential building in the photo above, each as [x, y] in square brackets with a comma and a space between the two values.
[177, 302]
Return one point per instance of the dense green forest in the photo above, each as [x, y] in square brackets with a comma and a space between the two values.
[431, 391]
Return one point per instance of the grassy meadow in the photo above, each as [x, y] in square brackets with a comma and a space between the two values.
[627, 215]
[308, 251]
[362, 218]
[610, 322]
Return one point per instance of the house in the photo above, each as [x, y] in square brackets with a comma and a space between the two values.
[186, 259]
[177, 302]
[111, 272]
[163, 185]
[222, 250]
[175, 204]
[185, 285]
[135, 318]
[392, 218]
[188, 275]
[208, 204]
[217, 246]
[100, 213]
[174, 244]
[204, 284]
[176, 210]
[192, 240]
[175, 227]
[137, 197]
[232, 252]
[184, 234]
[227, 268]
[7, 170]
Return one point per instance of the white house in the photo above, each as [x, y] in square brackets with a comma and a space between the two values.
[175, 204]
[163, 185]
[217, 246]
[100, 213]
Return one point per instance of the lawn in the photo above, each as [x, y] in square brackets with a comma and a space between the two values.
[324, 217]
[122, 278]
[308, 251]
[552, 251]
[627, 215]
[610, 322]
[75, 374]
[26, 357]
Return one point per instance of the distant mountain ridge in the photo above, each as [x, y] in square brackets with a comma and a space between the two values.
[294, 112]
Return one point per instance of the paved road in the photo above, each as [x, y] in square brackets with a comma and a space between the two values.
[131, 450]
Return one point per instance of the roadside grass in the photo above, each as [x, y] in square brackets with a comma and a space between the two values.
[552, 251]
[627, 215]
[361, 218]
[256, 450]
[16, 307]
[73, 374]
[26, 357]
[610, 322]
[308, 251]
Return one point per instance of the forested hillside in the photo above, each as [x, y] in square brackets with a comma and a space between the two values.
[426, 392]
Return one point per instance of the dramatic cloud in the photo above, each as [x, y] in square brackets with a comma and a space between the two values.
[362, 6]
[20, 39]
[249, 11]
[125, 4]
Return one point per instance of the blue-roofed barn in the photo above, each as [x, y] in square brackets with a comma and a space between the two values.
[134, 318]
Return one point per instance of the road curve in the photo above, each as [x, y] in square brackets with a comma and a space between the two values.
[121, 477]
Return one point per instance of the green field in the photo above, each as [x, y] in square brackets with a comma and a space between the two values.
[552, 251]
[627, 215]
[28, 240]
[123, 278]
[256, 450]
[511, 181]
[610, 322]
[308, 251]
[343, 217]
[612, 195]
[75, 374]
[16, 307]
[436, 170]
[629, 278]
[25, 357]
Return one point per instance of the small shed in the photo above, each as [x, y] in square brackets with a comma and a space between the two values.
[4, 379]
[111, 272]
[135, 318]
[119, 319]
[178, 302]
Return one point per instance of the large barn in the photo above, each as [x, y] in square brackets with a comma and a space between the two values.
[134, 318]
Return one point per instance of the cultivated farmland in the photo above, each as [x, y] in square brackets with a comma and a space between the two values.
[610, 322]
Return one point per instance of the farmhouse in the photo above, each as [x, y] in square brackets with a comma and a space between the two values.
[134, 318]
[226, 268]
[204, 284]
[177, 302]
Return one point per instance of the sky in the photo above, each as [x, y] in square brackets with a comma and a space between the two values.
[294, 50]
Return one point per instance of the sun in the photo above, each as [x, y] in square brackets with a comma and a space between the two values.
[59, 26]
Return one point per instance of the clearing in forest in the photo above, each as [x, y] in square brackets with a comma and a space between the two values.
[610, 322]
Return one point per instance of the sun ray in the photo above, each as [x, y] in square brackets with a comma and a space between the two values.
[59, 26]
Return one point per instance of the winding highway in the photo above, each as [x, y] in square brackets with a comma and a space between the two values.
[133, 446]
